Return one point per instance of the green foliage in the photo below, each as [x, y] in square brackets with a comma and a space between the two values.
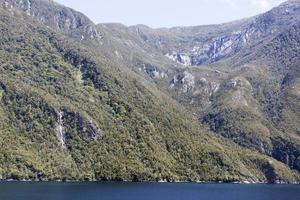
[115, 125]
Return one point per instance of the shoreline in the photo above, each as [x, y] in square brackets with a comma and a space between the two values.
[132, 181]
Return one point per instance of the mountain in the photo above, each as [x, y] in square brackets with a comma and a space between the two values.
[246, 92]
[82, 101]
[58, 17]
[207, 44]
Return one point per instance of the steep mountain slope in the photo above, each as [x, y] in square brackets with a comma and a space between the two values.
[56, 16]
[250, 95]
[88, 107]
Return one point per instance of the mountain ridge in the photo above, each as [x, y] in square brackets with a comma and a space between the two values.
[114, 114]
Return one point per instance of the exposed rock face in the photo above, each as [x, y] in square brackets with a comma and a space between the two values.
[185, 60]
[72, 124]
[185, 79]
[56, 16]
[242, 91]
[211, 51]
[196, 90]
[239, 82]
[153, 71]
[77, 124]
[89, 130]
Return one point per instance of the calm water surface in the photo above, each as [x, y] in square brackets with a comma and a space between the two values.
[147, 191]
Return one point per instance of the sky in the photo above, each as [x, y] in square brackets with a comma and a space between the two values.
[169, 13]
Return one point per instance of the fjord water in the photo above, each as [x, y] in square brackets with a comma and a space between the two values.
[146, 191]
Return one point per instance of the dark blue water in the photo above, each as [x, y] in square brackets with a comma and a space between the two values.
[147, 191]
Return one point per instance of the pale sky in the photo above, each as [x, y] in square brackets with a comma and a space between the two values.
[169, 13]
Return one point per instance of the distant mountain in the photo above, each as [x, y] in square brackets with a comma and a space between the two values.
[108, 102]
[207, 44]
